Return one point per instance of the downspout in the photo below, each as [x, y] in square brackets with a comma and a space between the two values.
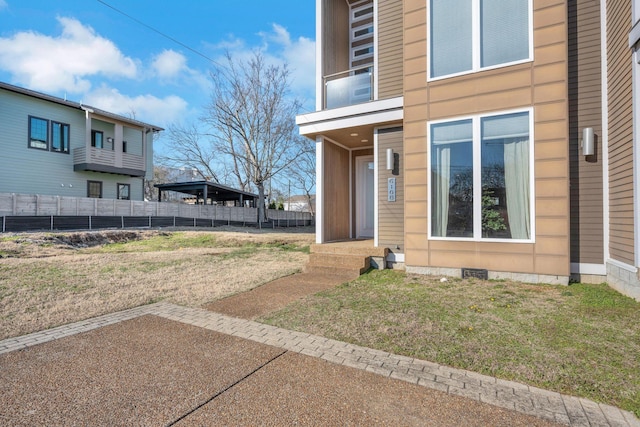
[87, 131]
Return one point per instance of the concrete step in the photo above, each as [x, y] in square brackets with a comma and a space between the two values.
[344, 273]
[350, 248]
[355, 262]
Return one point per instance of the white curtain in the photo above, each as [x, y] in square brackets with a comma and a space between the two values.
[440, 199]
[516, 177]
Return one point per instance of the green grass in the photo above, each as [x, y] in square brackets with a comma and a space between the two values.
[580, 340]
[179, 240]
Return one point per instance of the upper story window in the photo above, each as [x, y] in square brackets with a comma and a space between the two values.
[472, 35]
[38, 133]
[97, 139]
[60, 137]
[481, 177]
[40, 138]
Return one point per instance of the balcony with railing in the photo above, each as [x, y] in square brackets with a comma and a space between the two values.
[105, 160]
[349, 87]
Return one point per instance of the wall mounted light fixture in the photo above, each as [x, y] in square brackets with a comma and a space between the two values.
[588, 146]
[390, 159]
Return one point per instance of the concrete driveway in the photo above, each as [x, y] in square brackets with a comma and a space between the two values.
[168, 365]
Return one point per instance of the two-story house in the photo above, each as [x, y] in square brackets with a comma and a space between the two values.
[52, 146]
[485, 135]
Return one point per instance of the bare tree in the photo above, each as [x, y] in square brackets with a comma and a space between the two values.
[252, 118]
[160, 175]
[303, 173]
[191, 149]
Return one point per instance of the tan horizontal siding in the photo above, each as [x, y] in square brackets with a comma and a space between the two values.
[541, 84]
[390, 214]
[620, 105]
[390, 57]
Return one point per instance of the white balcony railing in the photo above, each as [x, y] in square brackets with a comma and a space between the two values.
[349, 87]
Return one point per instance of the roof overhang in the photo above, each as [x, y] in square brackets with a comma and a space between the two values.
[352, 126]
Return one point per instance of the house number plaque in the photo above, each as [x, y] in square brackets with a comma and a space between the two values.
[391, 190]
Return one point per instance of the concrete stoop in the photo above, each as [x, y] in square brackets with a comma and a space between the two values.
[347, 259]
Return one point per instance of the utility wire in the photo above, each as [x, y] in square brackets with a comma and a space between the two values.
[158, 31]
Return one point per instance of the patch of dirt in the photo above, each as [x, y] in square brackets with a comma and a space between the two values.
[40, 245]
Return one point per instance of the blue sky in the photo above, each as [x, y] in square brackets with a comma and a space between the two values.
[88, 52]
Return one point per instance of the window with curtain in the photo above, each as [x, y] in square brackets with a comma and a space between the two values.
[481, 193]
[469, 35]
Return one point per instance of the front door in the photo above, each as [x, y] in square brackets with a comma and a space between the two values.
[365, 196]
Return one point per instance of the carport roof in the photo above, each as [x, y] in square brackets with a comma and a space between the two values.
[215, 191]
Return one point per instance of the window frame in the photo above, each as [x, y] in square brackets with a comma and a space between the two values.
[476, 120]
[119, 185]
[476, 32]
[89, 182]
[93, 138]
[47, 136]
[68, 141]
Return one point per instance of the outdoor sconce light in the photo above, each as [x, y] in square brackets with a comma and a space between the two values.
[110, 140]
[587, 142]
[390, 159]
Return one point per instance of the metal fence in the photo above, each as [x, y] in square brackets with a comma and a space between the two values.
[21, 212]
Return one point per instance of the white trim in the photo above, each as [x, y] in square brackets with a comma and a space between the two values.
[319, 189]
[477, 189]
[606, 213]
[394, 257]
[636, 152]
[351, 110]
[476, 47]
[319, 63]
[376, 190]
[376, 45]
[351, 207]
[348, 122]
[622, 265]
[585, 268]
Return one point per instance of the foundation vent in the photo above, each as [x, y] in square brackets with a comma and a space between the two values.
[476, 273]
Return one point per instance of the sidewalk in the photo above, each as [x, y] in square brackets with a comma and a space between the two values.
[523, 399]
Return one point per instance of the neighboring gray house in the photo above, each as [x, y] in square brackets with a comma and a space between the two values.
[51, 146]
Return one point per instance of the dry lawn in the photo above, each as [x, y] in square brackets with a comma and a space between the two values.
[52, 279]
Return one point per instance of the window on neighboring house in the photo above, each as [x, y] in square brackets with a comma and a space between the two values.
[94, 189]
[124, 191]
[471, 35]
[97, 139]
[480, 177]
[38, 133]
[59, 137]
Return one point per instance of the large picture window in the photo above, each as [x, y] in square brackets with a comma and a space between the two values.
[481, 178]
[471, 35]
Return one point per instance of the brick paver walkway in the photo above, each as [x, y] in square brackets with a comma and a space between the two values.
[548, 405]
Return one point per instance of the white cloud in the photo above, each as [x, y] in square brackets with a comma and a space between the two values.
[64, 62]
[169, 64]
[146, 108]
[3, 5]
[278, 47]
